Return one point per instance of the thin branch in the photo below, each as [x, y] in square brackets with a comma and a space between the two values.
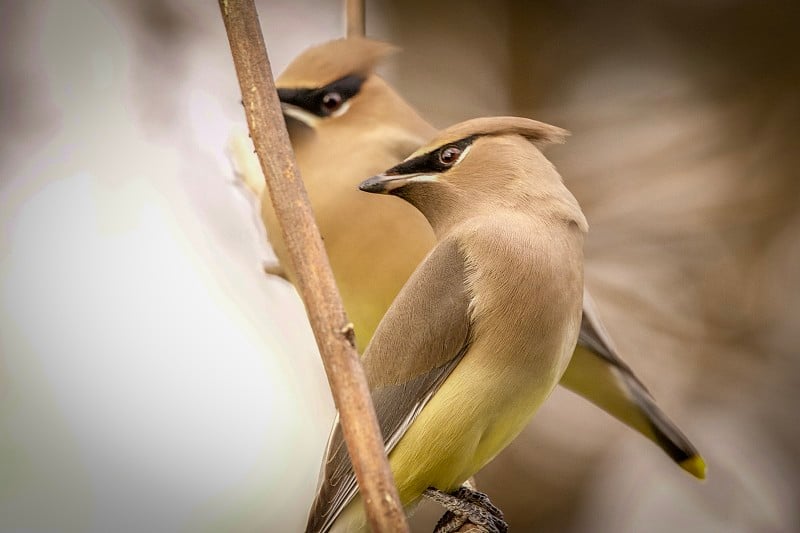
[355, 16]
[315, 281]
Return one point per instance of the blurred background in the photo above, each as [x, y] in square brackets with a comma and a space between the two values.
[152, 379]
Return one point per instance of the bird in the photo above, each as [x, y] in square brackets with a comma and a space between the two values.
[345, 122]
[483, 330]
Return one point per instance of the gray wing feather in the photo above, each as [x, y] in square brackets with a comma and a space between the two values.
[617, 390]
[594, 336]
[423, 336]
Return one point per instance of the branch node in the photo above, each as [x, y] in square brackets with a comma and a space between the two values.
[349, 332]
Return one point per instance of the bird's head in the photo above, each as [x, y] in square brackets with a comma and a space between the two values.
[479, 166]
[331, 82]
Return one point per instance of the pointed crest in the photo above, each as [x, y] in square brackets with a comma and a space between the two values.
[327, 62]
[538, 133]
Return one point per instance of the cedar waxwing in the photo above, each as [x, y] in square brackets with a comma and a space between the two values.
[346, 123]
[481, 333]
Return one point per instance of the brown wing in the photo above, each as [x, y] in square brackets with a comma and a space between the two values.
[418, 343]
[598, 374]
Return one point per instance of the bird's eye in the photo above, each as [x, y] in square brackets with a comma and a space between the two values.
[449, 155]
[331, 102]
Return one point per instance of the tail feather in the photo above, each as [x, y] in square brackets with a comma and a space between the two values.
[599, 375]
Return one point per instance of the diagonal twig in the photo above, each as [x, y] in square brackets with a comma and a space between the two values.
[315, 281]
[355, 16]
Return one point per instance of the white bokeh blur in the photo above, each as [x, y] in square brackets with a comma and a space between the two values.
[152, 378]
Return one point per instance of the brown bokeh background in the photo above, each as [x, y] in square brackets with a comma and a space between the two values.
[684, 155]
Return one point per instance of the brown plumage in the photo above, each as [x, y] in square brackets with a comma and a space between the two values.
[484, 328]
[377, 129]
[374, 243]
[319, 65]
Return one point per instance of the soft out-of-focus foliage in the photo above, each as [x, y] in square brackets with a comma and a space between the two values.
[684, 156]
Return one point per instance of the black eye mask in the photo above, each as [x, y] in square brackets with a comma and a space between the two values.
[430, 162]
[312, 99]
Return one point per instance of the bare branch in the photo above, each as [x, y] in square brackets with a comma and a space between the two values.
[314, 278]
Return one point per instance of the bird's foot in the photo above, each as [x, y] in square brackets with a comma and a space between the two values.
[480, 499]
[464, 506]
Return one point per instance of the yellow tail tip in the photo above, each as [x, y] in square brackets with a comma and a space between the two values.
[695, 466]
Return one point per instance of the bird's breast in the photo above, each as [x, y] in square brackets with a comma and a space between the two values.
[481, 407]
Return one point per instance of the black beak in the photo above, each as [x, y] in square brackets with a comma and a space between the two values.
[388, 183]
[375, 184]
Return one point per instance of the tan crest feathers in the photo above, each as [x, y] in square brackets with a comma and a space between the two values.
[328, 62]
[538, 133]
